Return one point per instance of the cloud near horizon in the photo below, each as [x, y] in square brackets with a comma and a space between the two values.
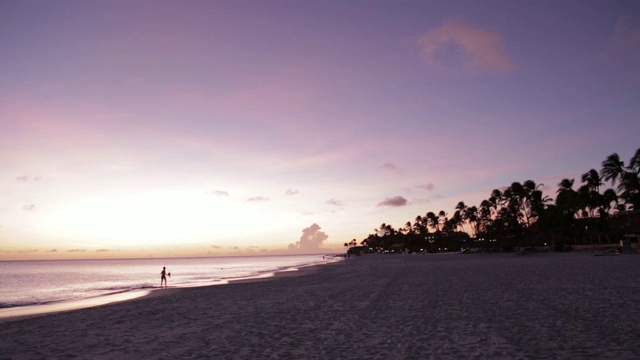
[290, 192]
[310, 241]
[393, 201]
[481, 50]
[257, 199]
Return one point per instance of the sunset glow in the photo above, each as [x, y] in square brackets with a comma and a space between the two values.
[194, 128]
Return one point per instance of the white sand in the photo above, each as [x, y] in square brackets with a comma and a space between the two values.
[501, 306]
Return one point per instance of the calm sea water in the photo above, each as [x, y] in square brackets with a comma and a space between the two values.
[25, 283]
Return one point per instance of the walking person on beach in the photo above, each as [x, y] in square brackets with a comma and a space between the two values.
[163, 276]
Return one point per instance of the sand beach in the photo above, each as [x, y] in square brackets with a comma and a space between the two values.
[500, 306]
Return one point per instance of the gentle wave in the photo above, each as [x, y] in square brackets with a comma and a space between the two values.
[36, 283]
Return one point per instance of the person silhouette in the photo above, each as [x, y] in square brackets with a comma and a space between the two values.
[163, 277]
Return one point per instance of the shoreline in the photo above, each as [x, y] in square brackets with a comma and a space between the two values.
[17, 313]
[497, 306]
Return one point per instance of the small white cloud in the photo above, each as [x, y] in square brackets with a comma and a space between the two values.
[290, 192]
[221, 193]
[257, 199]
[29, 207]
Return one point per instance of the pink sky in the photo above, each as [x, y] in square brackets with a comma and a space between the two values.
[231, 127]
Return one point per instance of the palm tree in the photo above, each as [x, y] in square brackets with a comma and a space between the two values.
[630, 189]
[442, 219]
[592, 180]
[609, 196]
[461, 209]
[454, 222]
[612, 168]
[419, 226]
[470, 215]
[567, 199]
[408, 228]
[484, 216]
[432, 221]
[533, 201]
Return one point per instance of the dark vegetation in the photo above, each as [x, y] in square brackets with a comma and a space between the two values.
[602, 209]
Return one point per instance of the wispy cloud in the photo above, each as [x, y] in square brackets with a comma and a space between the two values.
[290, 192]
[76, 250]
[134, 81]
[334, 202]
[25, 178]
[390, 167]
[628, 27]
[257, 199]
[626, 33]
[393, 201]
[29, 207]
[421, 201]
[428, 186]
[481, 50]
[221, 193]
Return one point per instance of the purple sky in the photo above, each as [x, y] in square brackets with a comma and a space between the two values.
[153, 128]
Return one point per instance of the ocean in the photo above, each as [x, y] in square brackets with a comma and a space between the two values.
[33, 283]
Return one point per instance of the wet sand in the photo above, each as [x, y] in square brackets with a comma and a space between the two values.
[500, 306]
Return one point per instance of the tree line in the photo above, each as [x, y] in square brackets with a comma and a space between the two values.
[522, 216]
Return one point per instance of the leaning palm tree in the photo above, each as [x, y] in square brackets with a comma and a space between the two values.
[612, 168]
